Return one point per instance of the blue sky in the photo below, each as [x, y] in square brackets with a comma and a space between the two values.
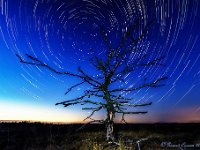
[61, 33]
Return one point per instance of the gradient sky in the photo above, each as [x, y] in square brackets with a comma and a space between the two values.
[61, 34]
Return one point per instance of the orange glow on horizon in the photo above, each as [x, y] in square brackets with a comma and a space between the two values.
[51, 114]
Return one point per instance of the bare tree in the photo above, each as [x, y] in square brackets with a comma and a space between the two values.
[113, 67]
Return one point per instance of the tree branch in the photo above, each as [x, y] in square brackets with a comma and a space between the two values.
[94, 110]
[82, 102]
[72, 87]
[131, 112]
[153, 84]
[134, 105]
[88, 79]
[37, 62]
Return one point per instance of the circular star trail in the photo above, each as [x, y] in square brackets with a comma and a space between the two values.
[61, 33]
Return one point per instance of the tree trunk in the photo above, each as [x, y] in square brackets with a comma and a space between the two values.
[109, 127]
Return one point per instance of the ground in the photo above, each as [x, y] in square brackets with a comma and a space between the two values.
[38, 136]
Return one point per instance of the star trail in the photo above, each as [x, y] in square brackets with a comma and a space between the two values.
[62, 33]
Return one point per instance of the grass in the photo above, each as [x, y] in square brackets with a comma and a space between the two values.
[37, 136]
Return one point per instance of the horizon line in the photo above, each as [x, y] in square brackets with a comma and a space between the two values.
[49, 122]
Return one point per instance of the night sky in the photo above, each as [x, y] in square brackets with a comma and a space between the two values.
[62, 32]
